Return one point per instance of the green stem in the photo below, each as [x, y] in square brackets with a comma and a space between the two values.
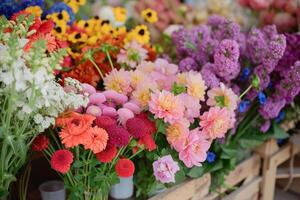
[246, 91]
[97, 68]
[139, 151]
[109, 59]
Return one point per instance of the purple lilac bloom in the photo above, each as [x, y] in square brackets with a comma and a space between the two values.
[226, 59]
[272, 108]
[211, 80]
[291, 53]
[187, 64]
[223, 28]
[289, 87]
[256, 45]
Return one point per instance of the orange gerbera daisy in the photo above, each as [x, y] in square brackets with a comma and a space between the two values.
[99, 139]
[76, 128]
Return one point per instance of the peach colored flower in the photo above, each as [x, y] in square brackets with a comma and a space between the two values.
[146, 66]
[137, 78]
[195, 149]
[192, 106]
[118, 81]
[177, 133]
[222, 97]
[216, 122]
[195, 85]
[142, 94]
[74, 131]
[99, 139]
[165, 105]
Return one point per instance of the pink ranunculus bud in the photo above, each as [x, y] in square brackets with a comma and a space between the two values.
[279, 4]
[97, 98]
[284, 21]
[88, 88]
[94, 110]
[114, 96]
[124, 115]
[244, 2]
[109, 111]
[267, 17]
[291, 6]
[133, 107]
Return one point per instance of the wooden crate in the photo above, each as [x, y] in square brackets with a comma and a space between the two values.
[273, 156]
[246, 174]
[193, 189]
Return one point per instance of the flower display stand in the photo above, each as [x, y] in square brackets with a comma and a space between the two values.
[245, 177]
[193, 189]
[273, 156]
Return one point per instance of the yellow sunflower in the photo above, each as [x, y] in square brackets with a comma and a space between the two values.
[149, 15]
[140, 33]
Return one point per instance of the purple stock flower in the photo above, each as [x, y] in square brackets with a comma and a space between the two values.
[211, 80]
[187, 64]
[291, 53]
[265, 126]
[226, 59]
[272, 108]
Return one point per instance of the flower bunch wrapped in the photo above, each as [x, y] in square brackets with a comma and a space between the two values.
[31, 99]
[261, 58]
[279, 12]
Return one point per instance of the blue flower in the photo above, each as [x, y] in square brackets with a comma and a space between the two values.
[8, 8]
[245, 73]
[211, 157]
[59, 7]
[280, 116]
[28, 3]
[262, 98]
[270, 85]
[244, 105]
[280, 141]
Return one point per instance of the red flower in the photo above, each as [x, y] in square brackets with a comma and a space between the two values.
[148, 142]
[150, 124]
[125, 168]
[108, 154]
[118, 136]
[105, 122]
[40, 143]
[61, 161]
[137, 127]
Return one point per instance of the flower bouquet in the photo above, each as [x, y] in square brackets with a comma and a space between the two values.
[31, 98]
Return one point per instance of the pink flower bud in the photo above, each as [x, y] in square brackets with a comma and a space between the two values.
[97, 98]
[94, 110]
[109, 111]
[88, 88]
[124, 115]
[133, 107]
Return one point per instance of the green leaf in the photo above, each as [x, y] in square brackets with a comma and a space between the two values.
[279, 133]
[161, 126]
[196, 172]
[228, 152]
[180, 176]
[78, 164]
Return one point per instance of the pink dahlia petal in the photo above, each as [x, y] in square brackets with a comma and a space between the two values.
[124, 115]
[133, 107]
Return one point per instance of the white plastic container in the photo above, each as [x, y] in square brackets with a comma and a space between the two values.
[122, 190]
[53, 190]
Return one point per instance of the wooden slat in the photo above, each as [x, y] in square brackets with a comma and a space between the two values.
[249, 167]
[190, 189]
[282, 155]
[248, 191]
[285, 173]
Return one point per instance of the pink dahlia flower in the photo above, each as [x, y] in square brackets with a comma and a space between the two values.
[195, 149]
[167, 106]
[216, 122]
